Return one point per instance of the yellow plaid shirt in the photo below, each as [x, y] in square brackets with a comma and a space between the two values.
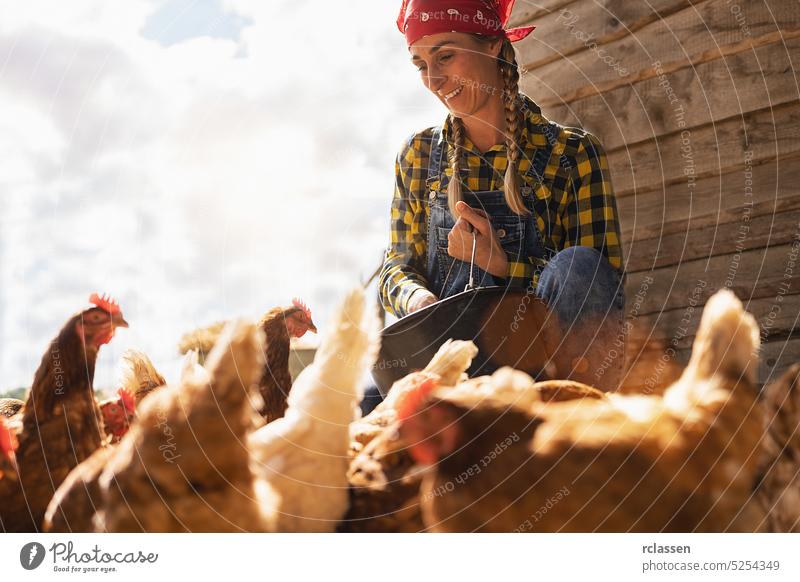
[575, 201]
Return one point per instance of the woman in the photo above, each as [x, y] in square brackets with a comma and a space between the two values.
[533, 199]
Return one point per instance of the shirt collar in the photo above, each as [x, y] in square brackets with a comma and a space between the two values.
[533, 119]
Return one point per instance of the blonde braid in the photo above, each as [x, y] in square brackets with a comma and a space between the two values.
[454, 194]
[510, 73]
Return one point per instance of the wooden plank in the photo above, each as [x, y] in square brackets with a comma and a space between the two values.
[527, 11]
[777, 317]
[706, 151]
[776, 357]
[686, 38]
[666, 211]
[565, 30]
[753, 274]
[768, 223]
[717, 90]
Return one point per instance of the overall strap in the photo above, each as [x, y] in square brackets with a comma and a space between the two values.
[539, 163]
[541, 156]
[435, 157]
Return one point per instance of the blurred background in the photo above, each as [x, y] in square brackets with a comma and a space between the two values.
[198, 159]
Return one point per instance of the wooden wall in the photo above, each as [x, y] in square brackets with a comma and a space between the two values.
[696, 103]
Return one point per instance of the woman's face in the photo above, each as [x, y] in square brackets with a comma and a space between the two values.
[459, 69]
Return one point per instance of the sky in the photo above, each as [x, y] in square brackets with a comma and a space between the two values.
[197, 159]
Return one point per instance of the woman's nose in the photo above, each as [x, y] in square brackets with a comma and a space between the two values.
[435, 83]
[433, 80]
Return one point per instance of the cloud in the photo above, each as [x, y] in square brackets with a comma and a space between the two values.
[195, 177]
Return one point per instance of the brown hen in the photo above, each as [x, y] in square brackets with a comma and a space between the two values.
[61, 421]
[280, 325]
[686, 461]
[778, 490]
[75, 502]
[184, 466]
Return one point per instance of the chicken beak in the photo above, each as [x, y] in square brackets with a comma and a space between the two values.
[312, 327]
[118, 321]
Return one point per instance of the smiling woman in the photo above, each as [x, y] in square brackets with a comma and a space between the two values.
[500, 195]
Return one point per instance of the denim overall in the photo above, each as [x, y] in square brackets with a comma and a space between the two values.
[518, 235]
[577, 283]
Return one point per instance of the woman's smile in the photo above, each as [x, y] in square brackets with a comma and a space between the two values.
[454, 93]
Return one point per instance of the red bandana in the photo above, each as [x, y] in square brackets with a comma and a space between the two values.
[420, 18]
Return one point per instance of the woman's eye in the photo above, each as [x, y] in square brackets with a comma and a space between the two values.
[445, 58]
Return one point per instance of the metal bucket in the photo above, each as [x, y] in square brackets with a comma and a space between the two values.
[510, 328]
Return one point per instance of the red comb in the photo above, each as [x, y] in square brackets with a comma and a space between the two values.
[299, 303]
[105, 301]
[8, 440]
[128, 401]
[416, 398]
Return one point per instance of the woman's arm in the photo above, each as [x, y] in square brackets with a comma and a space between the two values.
[404, 262]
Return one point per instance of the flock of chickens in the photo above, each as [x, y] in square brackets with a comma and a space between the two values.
[235, 445]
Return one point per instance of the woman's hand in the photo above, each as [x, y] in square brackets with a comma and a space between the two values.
[421, 298]
[489, 254]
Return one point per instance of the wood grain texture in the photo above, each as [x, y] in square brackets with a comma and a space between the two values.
[754, 274]
[777, 317]
[774, 359]
[707, 151]
[525, 11]
[687, 38]
[601, 20]
[664, 211]
[768, 223]
[713, 91]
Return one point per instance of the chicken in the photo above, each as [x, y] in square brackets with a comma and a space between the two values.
[10, 406]
[778, 489]
[385, 479]
[75, 502]
[191, 370]
[384, 487]
[117, 414]
[201, 340]
[280, 325]
[301, 460]
[448, 365]
[184, 466]
[384, 482]
[61, 421]
[139, 376]
[72, 508]
[686, 461]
